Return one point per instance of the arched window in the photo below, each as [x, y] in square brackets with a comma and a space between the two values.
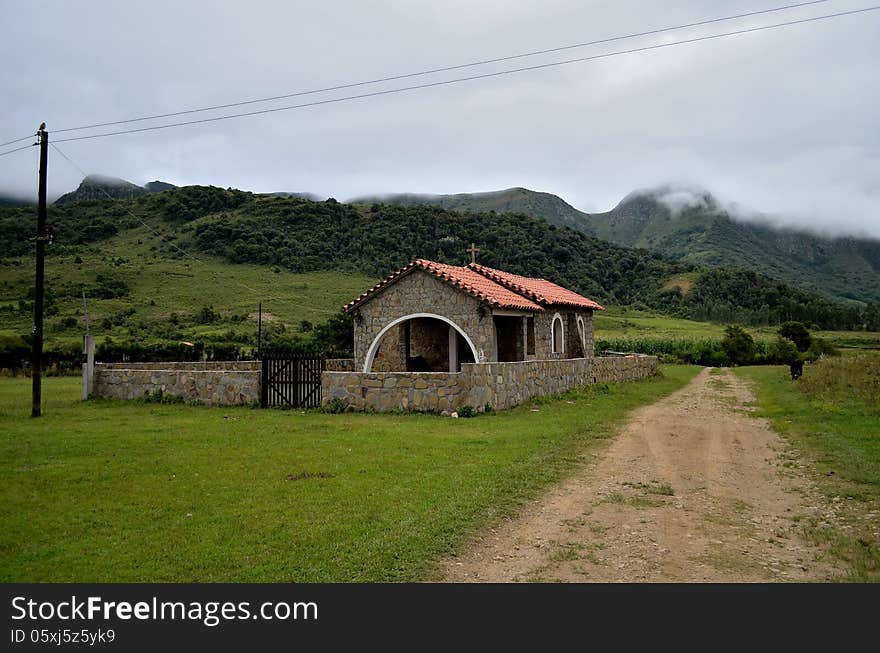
[582, 332]
[557, 335]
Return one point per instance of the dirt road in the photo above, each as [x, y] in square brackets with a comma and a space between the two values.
[693, 489]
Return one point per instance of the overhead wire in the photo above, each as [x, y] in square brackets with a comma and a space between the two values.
[18, 149]
[457, 80]
[423, 86]
[17, 140]
[432, 71]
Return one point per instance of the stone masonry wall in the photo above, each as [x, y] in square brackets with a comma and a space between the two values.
[384, 391]
[503, 385]
[213, 384]
[500, 385]
[421, 292]
[617, 369]
[543, 333]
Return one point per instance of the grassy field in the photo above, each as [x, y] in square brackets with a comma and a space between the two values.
[832, 415]
[167, 289]
[106, 491]
[617, 322]
[622, 323]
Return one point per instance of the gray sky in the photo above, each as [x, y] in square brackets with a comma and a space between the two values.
[784, 121]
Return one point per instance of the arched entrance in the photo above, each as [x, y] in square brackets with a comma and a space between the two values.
[421, 342]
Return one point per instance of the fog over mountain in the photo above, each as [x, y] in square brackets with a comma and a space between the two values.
[784, 121]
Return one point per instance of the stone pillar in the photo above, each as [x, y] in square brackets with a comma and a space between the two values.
[88, 368]
[453, 349]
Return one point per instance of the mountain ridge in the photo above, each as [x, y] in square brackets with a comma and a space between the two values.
[100, 187]
[701, 232]
[685, 224]
[238, 227]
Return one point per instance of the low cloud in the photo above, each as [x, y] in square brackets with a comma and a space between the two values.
[767, 121]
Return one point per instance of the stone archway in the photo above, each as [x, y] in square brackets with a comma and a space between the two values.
[374, 346]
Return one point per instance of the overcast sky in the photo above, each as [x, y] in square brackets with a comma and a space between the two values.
[784, 121]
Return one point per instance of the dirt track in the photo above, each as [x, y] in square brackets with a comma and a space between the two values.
[693, 489]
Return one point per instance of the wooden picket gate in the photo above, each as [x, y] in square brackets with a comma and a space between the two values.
[291, 381]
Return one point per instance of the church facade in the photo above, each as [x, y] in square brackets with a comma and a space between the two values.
[439, 338]
[433, 317]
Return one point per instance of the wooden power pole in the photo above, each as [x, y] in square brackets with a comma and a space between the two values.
[37, 352]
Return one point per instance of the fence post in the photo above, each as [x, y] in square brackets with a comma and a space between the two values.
[264, 381]
[88, 368]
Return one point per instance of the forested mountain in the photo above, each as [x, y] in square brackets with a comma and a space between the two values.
[549, 207]
[702, 233]
[304, 196]
[302, 236]
[705, 234]
[99, 187]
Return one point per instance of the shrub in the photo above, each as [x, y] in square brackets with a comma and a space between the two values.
[68, 322]
[797, 333]
[739, 345]
[335, 406]
[782, 352]
[467, 411]
[159, 397]
[819, 348]
[206, 315]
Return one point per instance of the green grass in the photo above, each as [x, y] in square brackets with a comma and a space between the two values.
[838, 428]
[618, 323]
[112, 491]
[163, 283]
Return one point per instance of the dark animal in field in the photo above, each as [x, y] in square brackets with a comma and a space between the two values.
[797, 369]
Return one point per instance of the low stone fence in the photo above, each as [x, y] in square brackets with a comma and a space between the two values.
[617, 369]
[499, 385]
[211, 383]
[382, 391]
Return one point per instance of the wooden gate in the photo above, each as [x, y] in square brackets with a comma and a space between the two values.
[291, 381]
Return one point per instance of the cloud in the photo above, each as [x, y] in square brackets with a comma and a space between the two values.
[782, 121]
[677, 199]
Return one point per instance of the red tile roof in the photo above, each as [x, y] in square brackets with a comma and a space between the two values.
[498, 289]
[540, 290]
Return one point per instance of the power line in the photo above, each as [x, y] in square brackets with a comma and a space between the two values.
[476, 77]
[432, 71]
[18, 149]
[17, 140]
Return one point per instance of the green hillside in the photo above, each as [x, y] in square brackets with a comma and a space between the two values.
[549, 207]
[705, 235]
[100, 187]
[192, 264]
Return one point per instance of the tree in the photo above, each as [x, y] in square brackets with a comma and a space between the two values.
[335, 337]
[783, 351]
[739, 345]
[797, 333]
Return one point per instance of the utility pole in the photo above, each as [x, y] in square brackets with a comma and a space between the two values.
[37, 352]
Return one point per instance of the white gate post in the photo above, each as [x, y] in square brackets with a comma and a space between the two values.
[88, 368]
